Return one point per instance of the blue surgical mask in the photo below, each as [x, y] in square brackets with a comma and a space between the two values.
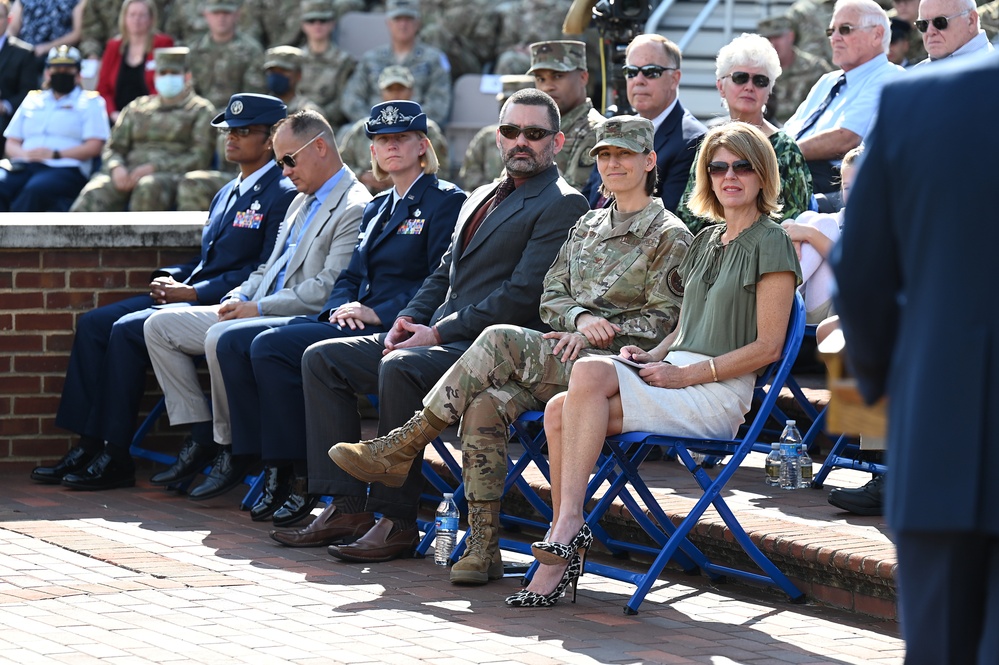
[169, 85]
[278, 84]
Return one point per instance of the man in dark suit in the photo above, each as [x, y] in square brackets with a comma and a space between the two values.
[107, 366]
[653, 76]
[917, 307]
[18, 71]
[506, 238]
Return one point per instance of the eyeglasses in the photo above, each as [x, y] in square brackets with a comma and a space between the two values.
[939, 22]
[531, 133]
[740, 78]
[288, 161]
[845, 29]
[241, 132]
[739, 167]
[648, 71]
[312, 21]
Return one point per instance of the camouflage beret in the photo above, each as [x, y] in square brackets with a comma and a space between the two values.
[773, 26]
[560, 56]
[285, 57]
[624, 131]
[395, 74]
[172, 59]
[317, 9]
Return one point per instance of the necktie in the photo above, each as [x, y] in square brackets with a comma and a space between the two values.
[504, 190]
[271, 275]
[814, 118]
[233, 195]
[386, 214]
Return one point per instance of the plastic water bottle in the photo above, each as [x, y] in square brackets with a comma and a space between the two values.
[447, 530]
[773, 465]
[804, 467]
[790, 468]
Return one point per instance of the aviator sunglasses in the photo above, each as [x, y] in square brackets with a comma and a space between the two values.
[740, 78]
[938, 22]
[648, 71]
[845, 29]
[739, 166]
[531, 133]
[288, 161]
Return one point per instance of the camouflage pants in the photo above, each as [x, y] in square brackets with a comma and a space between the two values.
[197, 189]
[506, 371]
[157, 191]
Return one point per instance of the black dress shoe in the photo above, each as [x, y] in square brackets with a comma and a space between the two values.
[75, 461]
[866, 500]
[192, 459]
[298, 505]
[277, 488]
[104, 473]
[227, 472]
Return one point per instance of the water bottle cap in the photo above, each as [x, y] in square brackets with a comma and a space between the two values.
[448, 495]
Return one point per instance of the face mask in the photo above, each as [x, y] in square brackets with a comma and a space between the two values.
[278, 84]
[170, 85]
[62, 83]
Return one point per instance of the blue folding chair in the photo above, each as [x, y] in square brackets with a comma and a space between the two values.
[620, 467]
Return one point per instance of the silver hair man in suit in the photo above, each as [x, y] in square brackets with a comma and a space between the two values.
[506, 237]
[315, 243]
[917, 306]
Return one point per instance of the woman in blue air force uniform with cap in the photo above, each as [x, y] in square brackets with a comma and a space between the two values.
[404, 234]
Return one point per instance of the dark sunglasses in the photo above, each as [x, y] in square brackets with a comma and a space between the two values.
[241, 132]
[531, 133]
[317, 20]
[740, 167]
[939, 22]
[845, 29]
[740, 78]
[288, 161]
[648, 71]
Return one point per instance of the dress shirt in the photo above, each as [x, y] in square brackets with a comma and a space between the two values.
[658, 120]
[978, 44]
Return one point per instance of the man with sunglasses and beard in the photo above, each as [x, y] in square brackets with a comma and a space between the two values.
[652, 71]
[841, 106]
[107, 367]
[507, 235]
[315, 243]
[950, 28]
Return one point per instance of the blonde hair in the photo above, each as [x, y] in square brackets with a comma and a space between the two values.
[746, 142]
[428, 160]
[153, 16]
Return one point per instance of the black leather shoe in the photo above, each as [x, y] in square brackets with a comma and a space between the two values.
[298, 505]
[192, 459]
[75, 461]
[104, 473]
[866, 500]
[277, 488]
[226, 473]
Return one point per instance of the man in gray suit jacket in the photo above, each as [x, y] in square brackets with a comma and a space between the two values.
[917, 305]
[314, 244]
[506, 238]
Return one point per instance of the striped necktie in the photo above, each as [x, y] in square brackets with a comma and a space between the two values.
[814, 118]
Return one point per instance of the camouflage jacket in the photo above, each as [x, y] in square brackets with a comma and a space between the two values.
[482, 163]
[574, 161]
[355, 147]
[324, 77]
[431, 73]
[989, 16]
[221, 70]
[626, 272]
[794, 83]
[810, 18]
[271, 23]
[174, 137]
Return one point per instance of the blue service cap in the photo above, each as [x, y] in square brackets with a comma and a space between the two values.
[246, 108]
[396, 117]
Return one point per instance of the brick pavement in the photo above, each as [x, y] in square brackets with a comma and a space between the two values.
[146, 576]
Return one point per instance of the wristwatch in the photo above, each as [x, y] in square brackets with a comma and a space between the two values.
[56, 155]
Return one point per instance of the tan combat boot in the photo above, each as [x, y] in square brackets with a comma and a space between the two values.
[386, 459]
[481, 561]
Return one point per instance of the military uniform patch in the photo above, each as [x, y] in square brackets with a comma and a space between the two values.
[411, 227]
[248, 219]
[674, 282]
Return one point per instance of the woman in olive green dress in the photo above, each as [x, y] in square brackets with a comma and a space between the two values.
[746, 69]
[739, 278]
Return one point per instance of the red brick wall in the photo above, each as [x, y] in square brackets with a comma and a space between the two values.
[42, 292]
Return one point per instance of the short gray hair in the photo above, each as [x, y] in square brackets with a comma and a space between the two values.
[748, 50]
[871, 13]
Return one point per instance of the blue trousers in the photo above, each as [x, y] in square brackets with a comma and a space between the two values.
[106, 377]
[261, 363]
[35, 187]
